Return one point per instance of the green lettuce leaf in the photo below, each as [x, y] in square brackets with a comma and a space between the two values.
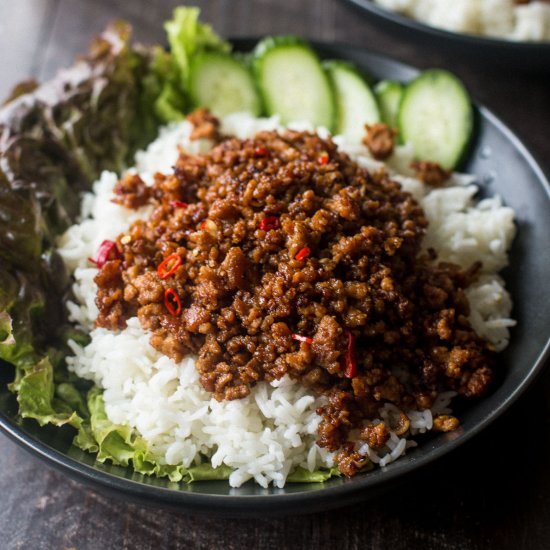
[120, 444]
[36, 398]
[6, 329]
[168, 83]
[187, 37]
[25, 307]
[8, 296]
[301, 475]
[205, 472]
[163, 89]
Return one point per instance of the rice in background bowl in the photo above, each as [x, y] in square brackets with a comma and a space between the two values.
[507, 19]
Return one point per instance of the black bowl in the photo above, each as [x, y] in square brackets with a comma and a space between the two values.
[485, 52]
[502, 165]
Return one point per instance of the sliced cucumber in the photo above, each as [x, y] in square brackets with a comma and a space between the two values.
[292, 82]
[436, 117]
[355, 102]
[389, 94]
[223, 84]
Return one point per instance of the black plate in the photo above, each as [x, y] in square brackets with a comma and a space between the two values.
[504, 166]
[506, 55]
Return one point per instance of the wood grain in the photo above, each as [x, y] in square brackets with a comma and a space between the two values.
[499, 500]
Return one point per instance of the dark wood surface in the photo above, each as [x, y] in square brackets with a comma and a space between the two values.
[492, 494]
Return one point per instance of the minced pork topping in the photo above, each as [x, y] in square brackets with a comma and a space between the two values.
[279, 255]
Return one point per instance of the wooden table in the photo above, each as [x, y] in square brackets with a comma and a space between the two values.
[501, 500]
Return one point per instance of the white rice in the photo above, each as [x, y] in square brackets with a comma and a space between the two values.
[493, 18]
[266, 435]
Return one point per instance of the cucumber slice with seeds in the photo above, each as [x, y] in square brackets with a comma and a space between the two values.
[292, 82]
[436, 117]
[223, 84]
[356, 104]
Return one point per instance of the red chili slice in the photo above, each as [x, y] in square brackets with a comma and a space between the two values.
[107, 251]
[301, 338]
[168, 266]
[260, 152]
[269, 222]
[351, 363]
[178, 204]
[323, 158]
[303, 254]
[172, 301]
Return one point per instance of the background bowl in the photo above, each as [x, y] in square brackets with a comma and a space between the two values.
[506, 55]
[503, 166]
